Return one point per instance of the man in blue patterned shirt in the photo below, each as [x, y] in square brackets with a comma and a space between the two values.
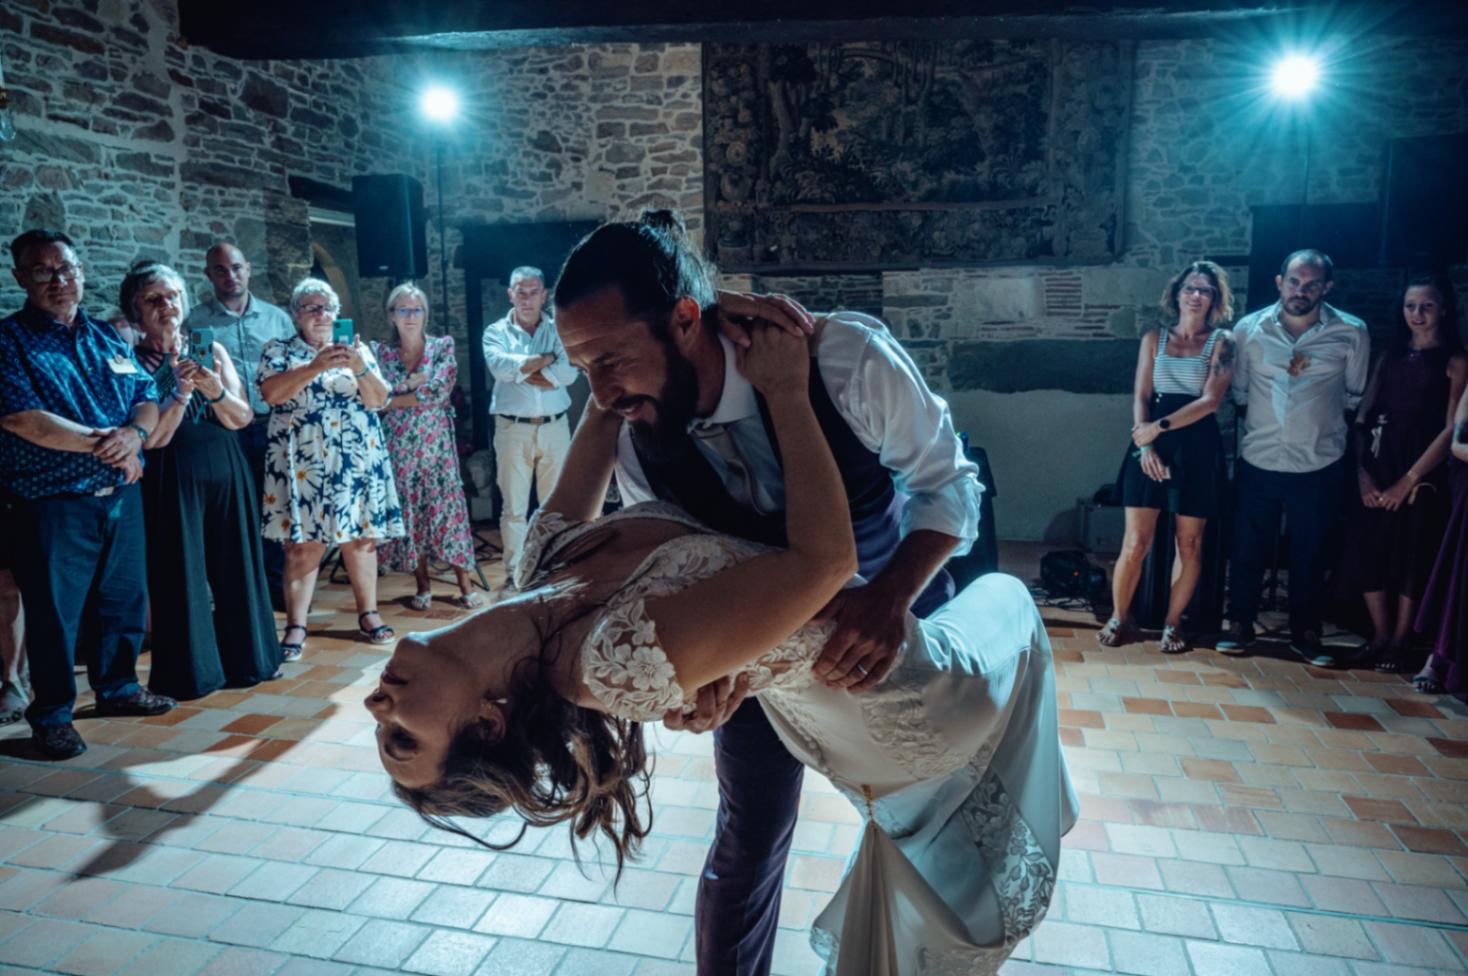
[75, 411]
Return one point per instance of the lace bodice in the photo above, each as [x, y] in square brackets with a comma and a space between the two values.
[622, 661]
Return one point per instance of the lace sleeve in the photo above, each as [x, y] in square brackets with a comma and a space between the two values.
[625, 669]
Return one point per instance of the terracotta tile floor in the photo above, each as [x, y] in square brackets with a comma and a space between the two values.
[1240, 816]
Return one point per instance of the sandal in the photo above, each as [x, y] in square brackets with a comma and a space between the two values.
[292, 651]
[419, 601]
[1392, 660]
[1111, 634]
[472, 600]
[1369, 653]
[1428, 681]
[13, 702]
[380, 634]
[1172, 641]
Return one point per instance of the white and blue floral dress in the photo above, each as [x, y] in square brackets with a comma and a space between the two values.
[328, 477]
[954, 758]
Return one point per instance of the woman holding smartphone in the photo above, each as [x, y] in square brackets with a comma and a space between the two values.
[328, 480]
[198, 504]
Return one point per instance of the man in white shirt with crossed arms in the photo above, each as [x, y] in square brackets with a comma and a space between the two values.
[529, 404]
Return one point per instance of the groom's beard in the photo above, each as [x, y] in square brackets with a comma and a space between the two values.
[663, 437]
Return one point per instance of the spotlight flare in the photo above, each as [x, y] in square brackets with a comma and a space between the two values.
[440, 104]
[1296, 76]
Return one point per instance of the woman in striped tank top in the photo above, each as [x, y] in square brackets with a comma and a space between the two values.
[1175, 459]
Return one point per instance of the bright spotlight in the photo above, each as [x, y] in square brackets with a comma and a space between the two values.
[1295, 76]
[440, 104]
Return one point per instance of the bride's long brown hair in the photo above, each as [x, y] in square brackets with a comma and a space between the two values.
[557, 762]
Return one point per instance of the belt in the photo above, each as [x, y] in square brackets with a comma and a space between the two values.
[532, 420]
[73, 495]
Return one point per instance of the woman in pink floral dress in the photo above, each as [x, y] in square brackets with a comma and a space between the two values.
[419, 425]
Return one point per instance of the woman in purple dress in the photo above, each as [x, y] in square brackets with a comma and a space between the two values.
[1403, 428]
[1444, 612]
[419, 426]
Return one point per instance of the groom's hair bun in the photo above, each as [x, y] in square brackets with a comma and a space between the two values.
[649, 260]
[668, 221]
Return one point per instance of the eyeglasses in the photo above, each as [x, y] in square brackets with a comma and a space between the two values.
[161, 299]
[42, 274]
[319, 309]
[410, 313]
[1197, 290]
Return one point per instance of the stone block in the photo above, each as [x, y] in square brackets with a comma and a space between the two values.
[1001, 298]
[267, 97]
[144, 164]
[1118, 285]
[57, 149]
[66, 38]
[142, 104]
[546, 141]
[221, 174]
[160, 131]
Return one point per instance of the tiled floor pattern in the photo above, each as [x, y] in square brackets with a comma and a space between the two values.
[1241, 817]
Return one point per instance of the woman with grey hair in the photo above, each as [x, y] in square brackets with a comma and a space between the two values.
[198, 505]
[328, 480]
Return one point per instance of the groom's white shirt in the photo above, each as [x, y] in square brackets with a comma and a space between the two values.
[880, 393]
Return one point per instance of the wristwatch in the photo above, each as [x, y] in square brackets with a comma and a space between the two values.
[142, 432]
[1165, 424]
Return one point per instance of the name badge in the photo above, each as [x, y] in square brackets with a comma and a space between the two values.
[122, 365]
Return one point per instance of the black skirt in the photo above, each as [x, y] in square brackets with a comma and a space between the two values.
[1194, 456]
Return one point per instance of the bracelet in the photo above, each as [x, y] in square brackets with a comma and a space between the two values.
[222, 394]
[1144, 449]
[184, 399]
[364, 372]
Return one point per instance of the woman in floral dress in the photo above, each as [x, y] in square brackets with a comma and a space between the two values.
[419, 424]
[327, 476]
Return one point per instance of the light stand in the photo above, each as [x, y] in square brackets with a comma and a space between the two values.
[443, 241]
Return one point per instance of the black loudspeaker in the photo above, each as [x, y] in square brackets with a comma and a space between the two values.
[1071, 574]
[391, 236]
[1424, 219]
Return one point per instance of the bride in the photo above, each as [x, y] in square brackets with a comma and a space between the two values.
[534, 706]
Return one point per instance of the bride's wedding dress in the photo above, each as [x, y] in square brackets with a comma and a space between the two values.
[954, 759]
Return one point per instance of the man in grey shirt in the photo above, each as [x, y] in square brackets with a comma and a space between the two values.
[1301, 365]
[243, 323]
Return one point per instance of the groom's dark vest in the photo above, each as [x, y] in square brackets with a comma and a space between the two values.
[680, 473]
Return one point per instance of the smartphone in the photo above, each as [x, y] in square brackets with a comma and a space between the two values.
[341, 331]
[201, 347]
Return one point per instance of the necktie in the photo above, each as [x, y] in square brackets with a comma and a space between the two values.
[740, 479]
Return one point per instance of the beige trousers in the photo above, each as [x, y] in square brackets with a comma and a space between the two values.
[526, 454]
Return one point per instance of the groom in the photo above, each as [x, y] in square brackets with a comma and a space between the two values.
[696, 434]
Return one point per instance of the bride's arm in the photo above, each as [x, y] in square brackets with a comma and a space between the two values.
[582, 486]
[715, 626]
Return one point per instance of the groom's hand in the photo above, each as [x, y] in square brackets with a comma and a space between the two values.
[717, 701]
[870, 627]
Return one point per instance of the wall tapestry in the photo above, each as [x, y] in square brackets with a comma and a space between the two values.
[883, 155]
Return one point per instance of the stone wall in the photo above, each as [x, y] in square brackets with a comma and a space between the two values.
[140, 145]
[564, 134]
